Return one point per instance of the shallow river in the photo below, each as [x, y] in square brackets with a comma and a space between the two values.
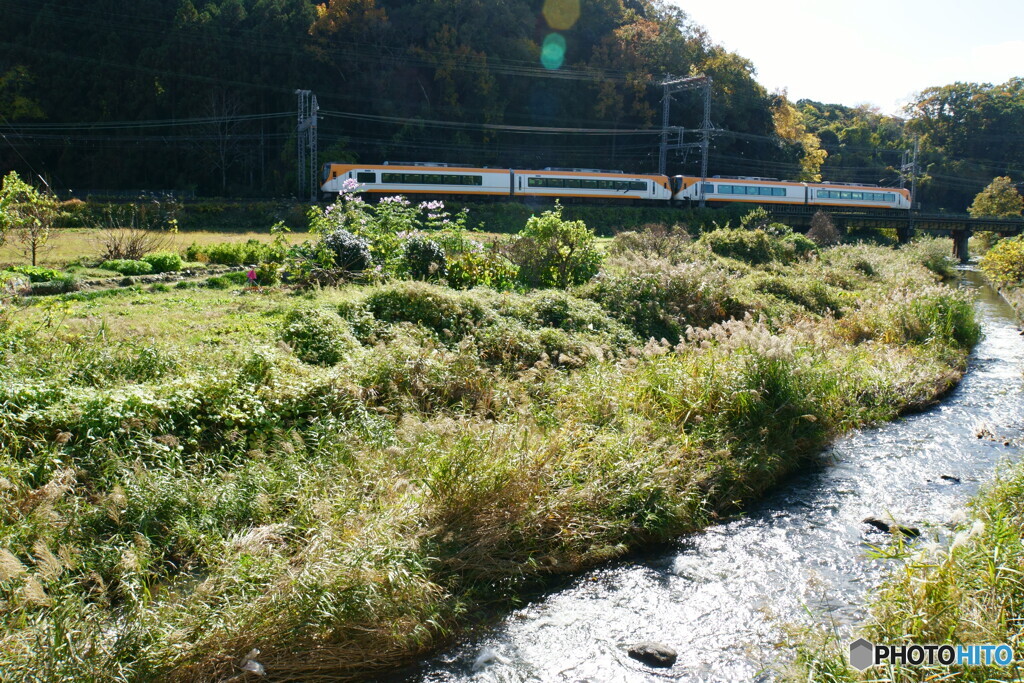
[721, 598]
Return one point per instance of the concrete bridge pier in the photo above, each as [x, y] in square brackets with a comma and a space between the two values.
[960, 238]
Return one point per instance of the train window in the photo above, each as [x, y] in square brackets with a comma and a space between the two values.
[412, 178]
[604, 184]
[709, 188]
[536, 182]
[890, 197]
[764, 191]
[366, 177]
[590, 184]
[572, 182]
[845, 195]
[621, 185]
[640, 185]
[778, 192]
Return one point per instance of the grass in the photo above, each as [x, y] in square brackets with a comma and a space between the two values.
[345, 478]
[74, 244]
[967, 591]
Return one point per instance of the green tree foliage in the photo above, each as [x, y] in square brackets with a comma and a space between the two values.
[790, 127]
[1004, 262]
[554, 252]
[26, 215]
[1000, 199]
[229, 68]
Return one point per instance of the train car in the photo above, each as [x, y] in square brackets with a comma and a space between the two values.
[729, 190]
[847, 195]
[581, 183]
[417, 179]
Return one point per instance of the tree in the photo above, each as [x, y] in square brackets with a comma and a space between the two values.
[790, 126]
[27, 215]
[999, 200]
[823, 231]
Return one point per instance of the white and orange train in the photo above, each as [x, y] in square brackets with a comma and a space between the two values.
[580, 183]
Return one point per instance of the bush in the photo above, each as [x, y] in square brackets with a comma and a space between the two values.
[552, 252]
[163, 261]
[481, 268]
[127, 267]
[934, 254]
[250, 252]
[659, 300]
[316, 336]
[227, 281]
[36, 273]
[800, 245]
[823, 231]
[1004, 263]
[750, 246]
[424, 259]
[446, 313]
[350, 253]
[654, 240]
[62, 284]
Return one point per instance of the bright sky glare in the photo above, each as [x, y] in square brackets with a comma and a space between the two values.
[877, 52]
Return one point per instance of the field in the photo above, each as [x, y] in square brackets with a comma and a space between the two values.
[75, 244]
[344, 477]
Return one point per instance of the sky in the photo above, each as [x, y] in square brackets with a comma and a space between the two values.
[876, 52]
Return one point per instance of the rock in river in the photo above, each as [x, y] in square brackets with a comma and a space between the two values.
[653, 654]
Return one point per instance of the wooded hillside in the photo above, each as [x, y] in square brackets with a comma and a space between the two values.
[190, 95]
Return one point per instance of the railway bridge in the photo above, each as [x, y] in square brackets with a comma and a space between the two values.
[906, 223]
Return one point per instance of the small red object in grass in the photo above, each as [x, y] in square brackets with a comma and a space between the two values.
[252, 276]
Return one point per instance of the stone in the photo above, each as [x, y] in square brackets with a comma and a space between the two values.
[653, 654]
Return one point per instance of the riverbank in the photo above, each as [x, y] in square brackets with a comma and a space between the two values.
[964, 591]
[961, 590]
[343, 479]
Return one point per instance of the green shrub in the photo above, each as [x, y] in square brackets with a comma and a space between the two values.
[553, 252]
[424, 259]
[127, 267]
[807, 293]
[317, 336]
[934, 254]
[62, 284]
[750, 246]
[350, 253]
[163, 261]
[657, 299]
[227, 281]
[483, 267]
[1004, 263]
[36, 273]
[251, 252]
[800, 245]
[439, 309]
[267, 274]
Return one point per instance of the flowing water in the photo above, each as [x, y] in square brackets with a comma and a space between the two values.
[721, 598]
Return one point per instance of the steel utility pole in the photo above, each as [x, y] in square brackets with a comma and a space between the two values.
[905, 234]
[307, 143]
[672, 86]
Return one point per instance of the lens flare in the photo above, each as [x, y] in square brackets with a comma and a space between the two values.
[552, 54]
[561, 14]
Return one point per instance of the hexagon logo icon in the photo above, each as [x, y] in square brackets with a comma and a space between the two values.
[862, 654]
